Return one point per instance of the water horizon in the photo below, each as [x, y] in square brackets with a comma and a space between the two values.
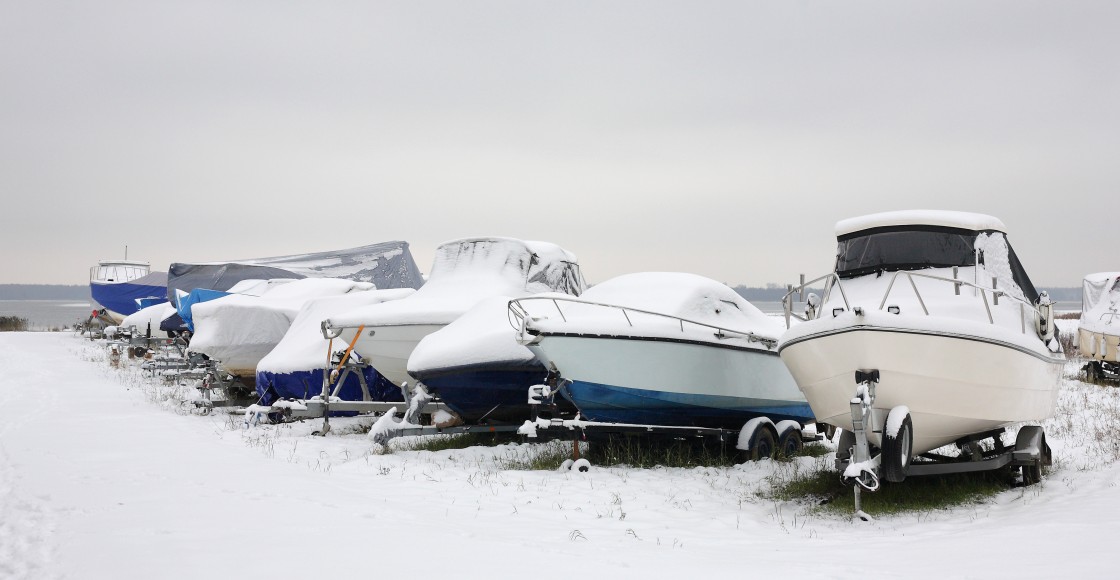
[47, 314]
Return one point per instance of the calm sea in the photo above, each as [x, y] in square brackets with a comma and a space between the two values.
[46, 314]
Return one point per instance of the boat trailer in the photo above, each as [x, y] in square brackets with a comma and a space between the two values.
[862, 467]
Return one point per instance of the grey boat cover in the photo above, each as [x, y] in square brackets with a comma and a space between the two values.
[386, 265]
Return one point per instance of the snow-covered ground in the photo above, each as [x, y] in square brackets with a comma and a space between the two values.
[103, 475]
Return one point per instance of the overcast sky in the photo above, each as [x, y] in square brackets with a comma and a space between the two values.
[719, 138]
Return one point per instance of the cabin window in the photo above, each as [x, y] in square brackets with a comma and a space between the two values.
[890, 249]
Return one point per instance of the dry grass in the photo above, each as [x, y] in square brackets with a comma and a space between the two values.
[13, 324]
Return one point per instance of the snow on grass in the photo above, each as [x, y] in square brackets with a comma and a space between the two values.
[107, 473]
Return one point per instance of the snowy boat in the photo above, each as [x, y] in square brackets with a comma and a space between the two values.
[929, 332]
[1098, 331]
[464, 273]
[294, 368]
[186, 301]
[122, 287]
[663, 349]
[385, 265]
[146, 321]
[477, 368]
[238, 330]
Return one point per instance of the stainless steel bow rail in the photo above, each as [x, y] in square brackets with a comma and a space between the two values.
[1041, 314]
[520, 317]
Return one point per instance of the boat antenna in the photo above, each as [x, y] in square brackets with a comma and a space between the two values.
[126, 251]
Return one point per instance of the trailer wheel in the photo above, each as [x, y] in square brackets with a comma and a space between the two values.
[897, 446]
[789, 438]
[763, 443]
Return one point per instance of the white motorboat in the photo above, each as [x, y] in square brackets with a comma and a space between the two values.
[463, 273]
[932, 312]
[1098, 331]
[663, 348]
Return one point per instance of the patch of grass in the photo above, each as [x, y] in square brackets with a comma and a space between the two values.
[646, 452]
[461, 441]
[13, 324]
[819, 484]
[543, 456]
[814, 450]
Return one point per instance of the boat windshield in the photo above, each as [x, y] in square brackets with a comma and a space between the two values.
[890, 249]
[118, 272]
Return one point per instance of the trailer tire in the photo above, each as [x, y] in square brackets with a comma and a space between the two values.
[1095, 372]
[763, 443]
[898, 446]
[789, 439]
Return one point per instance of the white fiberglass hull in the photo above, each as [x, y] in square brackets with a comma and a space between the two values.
[387, 348]
[658, 381]
[953, 384]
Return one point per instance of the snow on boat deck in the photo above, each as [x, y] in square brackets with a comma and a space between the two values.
[100, 478]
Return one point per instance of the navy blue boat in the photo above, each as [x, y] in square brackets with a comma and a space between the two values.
[476, 367]
[120, 287]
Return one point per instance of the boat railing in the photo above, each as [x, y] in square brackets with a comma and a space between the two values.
[519, 318]
[830, 280]
[1026, 309]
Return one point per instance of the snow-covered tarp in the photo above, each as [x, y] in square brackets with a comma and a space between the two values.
[294, 367]
[385, 265]
[240, 329]
[149, 318]
[467, 271]
[1100, 303]
[185, 301]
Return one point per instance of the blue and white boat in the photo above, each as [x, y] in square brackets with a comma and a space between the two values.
[123, 287]
[662, 349]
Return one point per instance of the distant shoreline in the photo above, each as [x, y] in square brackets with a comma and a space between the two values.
[44, 292]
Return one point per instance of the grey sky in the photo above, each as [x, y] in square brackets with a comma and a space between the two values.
[719, 138]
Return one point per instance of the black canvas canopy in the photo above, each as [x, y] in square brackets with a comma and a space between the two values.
[915, 247]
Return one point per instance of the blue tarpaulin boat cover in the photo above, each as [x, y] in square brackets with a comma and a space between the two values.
[123, 297]
[185, 301]
[272, 386]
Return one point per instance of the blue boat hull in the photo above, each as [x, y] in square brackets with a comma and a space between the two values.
[614, 404]
[122, 298]
[491, 394]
